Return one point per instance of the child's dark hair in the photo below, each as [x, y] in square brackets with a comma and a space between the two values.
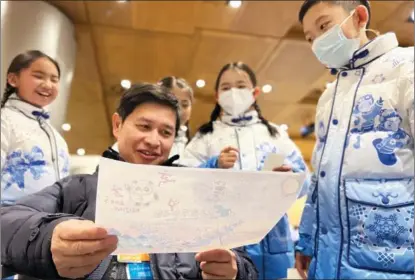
[20, 62]
[208, 127]
[348, 5]
[172, 81]
[143, 93]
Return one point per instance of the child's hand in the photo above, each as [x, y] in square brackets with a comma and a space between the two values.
[228, 157]
[283, 168]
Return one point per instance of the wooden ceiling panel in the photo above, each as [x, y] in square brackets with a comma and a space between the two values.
[75, 10]
[165, 16]
[292, 68]
[296, 116]
[276, 17]
[89, 131]
[399, 23]
[145, 40]
[216, 15]
[110, 13]
[140, 56]
[382, 10]
[215, 49]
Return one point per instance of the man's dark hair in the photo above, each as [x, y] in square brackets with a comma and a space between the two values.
[143, 93]
[348, 5]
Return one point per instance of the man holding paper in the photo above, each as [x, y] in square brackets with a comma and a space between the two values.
[52, 234]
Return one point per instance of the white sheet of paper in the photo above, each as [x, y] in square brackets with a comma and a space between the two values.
[292, 273]
[156, 209]
[272, 161]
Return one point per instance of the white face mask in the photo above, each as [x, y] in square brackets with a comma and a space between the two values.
[333, 48]
[236, 101]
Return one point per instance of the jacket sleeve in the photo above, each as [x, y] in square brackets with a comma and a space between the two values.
[407, 84]
[296, 161]
[210, 163]
[197, 151]
[27, 227]
[308, 221]
[246, 268]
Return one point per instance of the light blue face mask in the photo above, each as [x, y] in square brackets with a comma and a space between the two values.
[333, 48]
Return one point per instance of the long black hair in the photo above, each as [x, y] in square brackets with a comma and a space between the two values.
[170, 82]
[208, 127]
[20, 62]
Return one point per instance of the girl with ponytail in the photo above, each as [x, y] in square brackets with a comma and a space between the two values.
[33, 154]
[239, 136]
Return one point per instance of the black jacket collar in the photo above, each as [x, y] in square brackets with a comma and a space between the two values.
[113, 154]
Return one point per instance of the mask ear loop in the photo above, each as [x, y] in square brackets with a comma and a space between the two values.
[377, 33]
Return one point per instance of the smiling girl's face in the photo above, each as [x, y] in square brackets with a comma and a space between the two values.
[38, 84]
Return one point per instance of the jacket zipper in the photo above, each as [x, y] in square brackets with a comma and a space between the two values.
[53, 147]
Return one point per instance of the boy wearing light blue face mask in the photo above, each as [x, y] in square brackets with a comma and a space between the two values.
[359, 216]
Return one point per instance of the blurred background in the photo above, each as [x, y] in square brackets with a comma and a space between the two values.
[104, 46]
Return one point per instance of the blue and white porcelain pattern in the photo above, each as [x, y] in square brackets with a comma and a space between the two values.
[27, 151]
[357, 221]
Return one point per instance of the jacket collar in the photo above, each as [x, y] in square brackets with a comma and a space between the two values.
[30, 111]
[371, 51]
[113, 154]
[246, 119]
[181, 135]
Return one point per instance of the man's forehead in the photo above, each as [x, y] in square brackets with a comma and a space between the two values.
[157, 117]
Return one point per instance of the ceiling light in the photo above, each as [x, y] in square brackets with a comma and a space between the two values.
[200, 83]
[234, 4]
[126, 84]
[412, 18]
[122, 1]
[80, 152]
[267, 88]
[66, 127]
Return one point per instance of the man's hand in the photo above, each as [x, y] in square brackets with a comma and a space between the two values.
[218, 264]
[78, 247]
[228, 157]
[283, 168]
[301, 264]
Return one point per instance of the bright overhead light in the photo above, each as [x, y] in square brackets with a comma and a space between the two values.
[284, 127]
[66, 127]
[200, 83]
[267, 88]
[122, 1]
[413, 15]
[80, 152]
[235, 4]
[126, 84]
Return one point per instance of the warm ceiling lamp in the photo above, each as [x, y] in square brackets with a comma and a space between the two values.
[235, 4]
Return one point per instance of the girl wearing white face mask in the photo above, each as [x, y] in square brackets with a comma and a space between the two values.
[237, 123]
